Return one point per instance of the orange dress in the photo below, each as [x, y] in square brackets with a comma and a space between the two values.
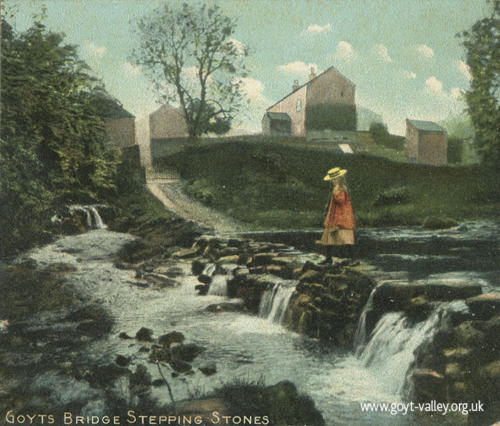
[339, 222]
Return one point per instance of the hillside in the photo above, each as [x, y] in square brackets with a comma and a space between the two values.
[268, 185]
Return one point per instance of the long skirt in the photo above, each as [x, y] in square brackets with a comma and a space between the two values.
[336, 237]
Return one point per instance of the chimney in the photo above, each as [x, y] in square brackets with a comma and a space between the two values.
[295, 85]
[312, 75]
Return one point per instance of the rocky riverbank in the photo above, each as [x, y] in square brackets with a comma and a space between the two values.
[54, 335]
[48, 323]
[459, 363]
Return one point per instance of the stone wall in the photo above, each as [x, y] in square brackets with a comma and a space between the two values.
[167, 122]
[121, 131]
[295, 106]
[433, 149]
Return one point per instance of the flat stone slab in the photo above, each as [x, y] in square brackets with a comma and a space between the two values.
[485, 305]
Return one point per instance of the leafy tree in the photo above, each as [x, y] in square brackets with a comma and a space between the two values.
[191, 59]
[482, 44]
[52, 147]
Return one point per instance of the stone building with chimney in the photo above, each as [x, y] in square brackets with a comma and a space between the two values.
[426, 143]
[325, 102]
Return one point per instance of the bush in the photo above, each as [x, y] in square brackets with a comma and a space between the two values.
[455, 150]
[333, 117]
[394, 195]
[438, 222]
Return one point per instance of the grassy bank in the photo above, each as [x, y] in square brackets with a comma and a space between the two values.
[269, 185]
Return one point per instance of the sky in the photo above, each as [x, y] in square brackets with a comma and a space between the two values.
[403, 55]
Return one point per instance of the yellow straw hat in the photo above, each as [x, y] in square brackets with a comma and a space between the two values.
[334, 174]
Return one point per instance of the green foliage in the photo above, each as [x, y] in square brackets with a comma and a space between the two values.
[394, 195]
[455, 150]
[52, 147]
[439, 222]
[332, 117]
[482, 44]
[271, 185]
[381, 136]
[174, 42]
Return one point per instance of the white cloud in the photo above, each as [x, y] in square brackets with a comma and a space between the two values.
[253, 89]
[298, 68]
[464, 69]
[345, 52]
[383, 53]
[132, 69]
[239, 46]
[457, 93]
[433, 85]
[425, 51]
[409, 75]
[93, 50]
[315, 28]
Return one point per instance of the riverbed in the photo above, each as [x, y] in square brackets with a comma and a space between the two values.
[244, 347]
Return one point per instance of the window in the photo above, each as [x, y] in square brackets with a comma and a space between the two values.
[299, 105]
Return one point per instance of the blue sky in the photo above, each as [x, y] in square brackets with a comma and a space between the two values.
[402, 55]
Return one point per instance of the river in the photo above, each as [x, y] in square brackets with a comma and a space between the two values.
[253, 348]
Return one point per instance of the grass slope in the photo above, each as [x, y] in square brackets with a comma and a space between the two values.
[270, 185]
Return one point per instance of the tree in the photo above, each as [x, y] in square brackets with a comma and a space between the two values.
[190, 57]
[482, 44]
[52, 146]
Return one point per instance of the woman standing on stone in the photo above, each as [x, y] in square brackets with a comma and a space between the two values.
[339, 223]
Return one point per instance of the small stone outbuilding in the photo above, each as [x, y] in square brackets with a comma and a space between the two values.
[276, 123]
[426, 143]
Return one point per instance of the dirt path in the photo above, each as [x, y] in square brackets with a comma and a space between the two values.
[169, 192]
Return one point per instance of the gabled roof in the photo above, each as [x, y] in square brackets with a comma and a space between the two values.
[110, 107]
[168, 106]
[310, 81]
[426, 126]
[278, 116]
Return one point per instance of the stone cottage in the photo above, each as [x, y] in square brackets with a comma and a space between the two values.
[118, 122]
[325, 102]
[426, 143]
[167, 122]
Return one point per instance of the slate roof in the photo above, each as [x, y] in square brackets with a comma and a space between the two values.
[278, 116]
[426, 126]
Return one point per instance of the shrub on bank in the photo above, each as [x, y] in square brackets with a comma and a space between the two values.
[242, 180]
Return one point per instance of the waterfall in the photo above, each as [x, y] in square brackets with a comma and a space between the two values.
[274, 302]
[218, 286]
[390, 349]
[393, 341]
[94, 220]
[360, 336]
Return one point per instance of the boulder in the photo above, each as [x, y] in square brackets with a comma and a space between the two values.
[186, 352]
[262, 259]
[205, 279]
[181, 366]
[122, 361]
[144, 335]
[160, 279]
[168, 339]
[229, 259]
[208, 369]
[186, 253]
[484, 306]
[311, 276]
[202, 289]
[198, 266]
[427, 385]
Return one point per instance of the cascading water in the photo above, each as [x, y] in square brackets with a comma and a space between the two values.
[274, 302]
[390, 349]
[218, 286]
[94, 220]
